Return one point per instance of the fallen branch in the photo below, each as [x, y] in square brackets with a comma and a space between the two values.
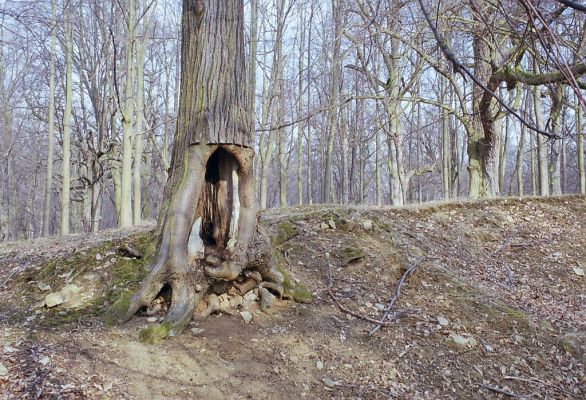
[501, 251]
[355, 314]
[496, 389]
[392, 301]
[34, 383]
[516, 378]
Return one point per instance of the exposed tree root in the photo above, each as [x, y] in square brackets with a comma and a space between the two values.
[208, 234]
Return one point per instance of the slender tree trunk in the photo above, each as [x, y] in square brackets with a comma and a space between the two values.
[556, 145]
[541, 145]
[282, 141]
[503, 156]
[139, 135]
[519, 161]
[309, 128]
[580, 146]
[327, 193]
[51, 130]
[66, 164]
[533, 161]
[446, 153]
[300, 124]
[127, 122]
[377, 168]
[271, 104]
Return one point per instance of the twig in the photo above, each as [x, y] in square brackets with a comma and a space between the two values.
[354, 314]
[392, 301]
[516, 378]
[501, 250]
[14, 271]
[34, 383]
[496, 389]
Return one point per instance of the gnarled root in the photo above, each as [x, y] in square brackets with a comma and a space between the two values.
[209, 234]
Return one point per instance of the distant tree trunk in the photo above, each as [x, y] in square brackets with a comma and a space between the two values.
[327, 192]
[125, 218]
[66, 163]
[580, 144]
[282, 143]
[519, 161]
[139, 135]
[207, 223]
[309, 145]
[51, 130]
[446, 151]
[271, 105]
[300, 124]
[556, 145]
[541, 146]
[533, 161]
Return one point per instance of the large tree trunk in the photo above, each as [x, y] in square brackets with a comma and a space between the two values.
[207, 224]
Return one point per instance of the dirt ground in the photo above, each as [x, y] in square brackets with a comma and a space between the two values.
[495, 307]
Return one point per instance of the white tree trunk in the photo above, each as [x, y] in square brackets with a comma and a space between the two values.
[580, 144]
[51, 130]
[66, 164]
[125, 219]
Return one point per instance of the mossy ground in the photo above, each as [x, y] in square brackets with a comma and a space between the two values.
[98, 270]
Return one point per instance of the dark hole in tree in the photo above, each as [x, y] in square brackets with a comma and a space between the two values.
[166, 294]
[217, 204]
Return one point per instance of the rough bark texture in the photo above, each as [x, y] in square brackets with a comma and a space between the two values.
[207, 226]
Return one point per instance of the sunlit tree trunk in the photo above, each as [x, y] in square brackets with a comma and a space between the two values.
[127, 124]
[542, 169]
[51, 128]
[300, 124]
[533, 162]
[519, 161]
[580, 146]
[139, 134]
[66, 163]
[327, 193]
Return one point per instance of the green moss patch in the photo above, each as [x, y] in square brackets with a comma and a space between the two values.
[154, 333]
[285, 231]
[291, 290]
[117, 312]
[351, 254]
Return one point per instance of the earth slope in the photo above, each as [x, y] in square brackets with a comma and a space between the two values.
[493, 306]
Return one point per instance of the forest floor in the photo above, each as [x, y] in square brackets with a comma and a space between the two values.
[495, 307]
